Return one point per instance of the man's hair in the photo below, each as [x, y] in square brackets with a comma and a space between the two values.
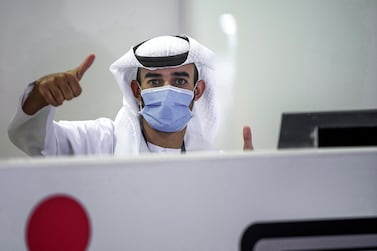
[196, 74]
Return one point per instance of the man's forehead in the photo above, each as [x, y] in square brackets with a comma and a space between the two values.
[189, 68]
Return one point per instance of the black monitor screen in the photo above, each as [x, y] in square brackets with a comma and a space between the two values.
[352, 234]
[328, 129]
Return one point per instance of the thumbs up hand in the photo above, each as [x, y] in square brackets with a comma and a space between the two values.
[54, 89]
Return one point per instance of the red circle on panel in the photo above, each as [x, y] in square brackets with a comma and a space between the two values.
[58, 223]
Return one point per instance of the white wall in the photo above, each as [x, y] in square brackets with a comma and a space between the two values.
[292, 55]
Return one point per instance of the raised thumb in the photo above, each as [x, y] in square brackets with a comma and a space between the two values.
[84, 66]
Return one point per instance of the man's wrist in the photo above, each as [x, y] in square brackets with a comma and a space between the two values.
[34, 102]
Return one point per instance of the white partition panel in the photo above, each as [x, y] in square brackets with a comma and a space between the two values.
[190, 202]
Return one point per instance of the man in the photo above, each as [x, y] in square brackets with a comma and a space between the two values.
[168, 105]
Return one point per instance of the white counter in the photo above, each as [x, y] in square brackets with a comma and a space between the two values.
[189, 202]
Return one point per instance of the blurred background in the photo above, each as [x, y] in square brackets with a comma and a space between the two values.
[273, 56]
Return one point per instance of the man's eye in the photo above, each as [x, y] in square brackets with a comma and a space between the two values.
[180, 81]
[154, 82]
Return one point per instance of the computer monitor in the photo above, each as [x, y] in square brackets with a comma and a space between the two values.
[328, 129]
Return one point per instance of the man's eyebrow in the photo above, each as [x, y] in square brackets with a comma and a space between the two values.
[180, 74]
[152, 75]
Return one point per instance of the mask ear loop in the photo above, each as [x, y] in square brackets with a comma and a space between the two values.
[141, 98]
[194, 90]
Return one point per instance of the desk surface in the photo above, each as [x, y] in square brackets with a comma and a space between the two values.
[200, 201]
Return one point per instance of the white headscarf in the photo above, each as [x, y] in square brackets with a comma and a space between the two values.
[202, 127]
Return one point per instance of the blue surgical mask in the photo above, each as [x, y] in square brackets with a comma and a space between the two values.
[167, 108]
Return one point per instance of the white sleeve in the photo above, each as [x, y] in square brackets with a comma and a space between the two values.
[40, 135]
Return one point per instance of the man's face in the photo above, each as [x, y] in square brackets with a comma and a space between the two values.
[181, 77]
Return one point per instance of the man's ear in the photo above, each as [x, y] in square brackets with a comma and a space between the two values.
[135, 89]
[199, 90]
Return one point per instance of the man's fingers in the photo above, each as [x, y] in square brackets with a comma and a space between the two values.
[84, 66]
[47, 96]
[52, 95]
[56, 88]
[73, 84]
[64, 88]
[247, 139]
